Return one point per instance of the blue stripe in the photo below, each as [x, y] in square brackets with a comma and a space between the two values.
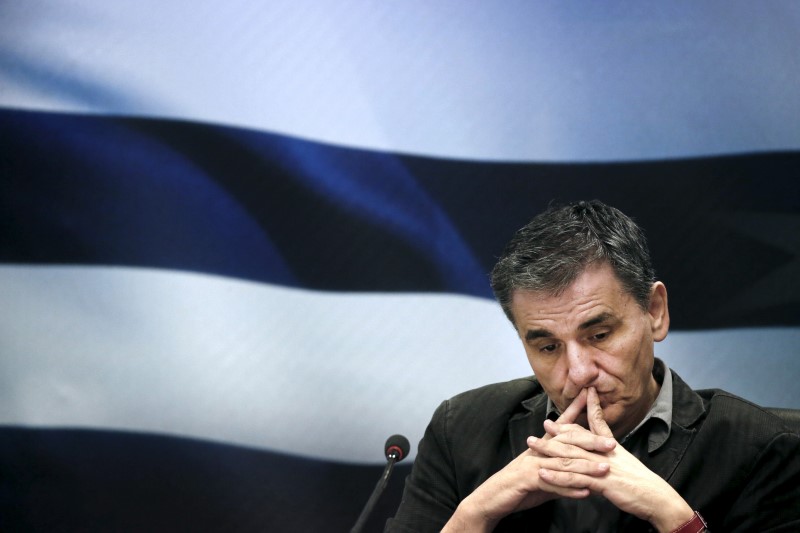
[80, 480]
[264, 207]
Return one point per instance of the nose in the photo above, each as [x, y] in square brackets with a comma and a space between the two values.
[582, 369]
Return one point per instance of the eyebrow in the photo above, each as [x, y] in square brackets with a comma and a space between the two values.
[533, 334]
[599, 319]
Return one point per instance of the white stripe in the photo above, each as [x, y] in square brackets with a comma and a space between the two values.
[536, 81]
[325, 375]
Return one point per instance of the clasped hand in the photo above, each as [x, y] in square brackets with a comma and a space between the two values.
[570, 461]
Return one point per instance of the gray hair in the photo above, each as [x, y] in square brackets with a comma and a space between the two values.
[554, 248]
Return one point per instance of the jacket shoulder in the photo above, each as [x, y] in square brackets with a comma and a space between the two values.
[487, 409]
[741, 415]
[496, 398]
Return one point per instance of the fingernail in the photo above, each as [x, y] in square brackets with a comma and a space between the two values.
[611, 443]
[532, 440]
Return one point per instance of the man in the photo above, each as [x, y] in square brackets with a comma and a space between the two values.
[604, 437]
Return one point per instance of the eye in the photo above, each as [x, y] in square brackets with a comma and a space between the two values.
[600, 336]
[549, 348]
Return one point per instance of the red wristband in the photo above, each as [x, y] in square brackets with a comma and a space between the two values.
[695, 525]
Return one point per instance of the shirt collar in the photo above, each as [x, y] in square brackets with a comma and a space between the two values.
[660, 411]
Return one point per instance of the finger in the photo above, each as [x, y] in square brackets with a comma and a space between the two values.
[554, 428]
[576, 466]
[553, 479]
[551, 448]
[563, 492]
[577, 406]
[597, 423]
[569, 415]
[575, 445]
[576, 435]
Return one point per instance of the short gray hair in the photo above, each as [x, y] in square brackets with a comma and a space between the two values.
[554, 248]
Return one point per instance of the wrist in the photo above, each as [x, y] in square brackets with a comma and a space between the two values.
[695, 525]
[467, 518]
[672, 517]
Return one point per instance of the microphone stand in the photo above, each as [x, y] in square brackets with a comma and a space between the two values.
[376, 493]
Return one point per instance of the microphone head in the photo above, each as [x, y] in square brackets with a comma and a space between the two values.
[396, 447]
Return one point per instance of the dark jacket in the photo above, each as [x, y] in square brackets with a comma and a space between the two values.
[733, 461]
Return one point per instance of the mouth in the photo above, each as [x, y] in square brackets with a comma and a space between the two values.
[606, 399]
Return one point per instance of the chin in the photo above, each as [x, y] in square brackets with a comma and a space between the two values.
[611, 415]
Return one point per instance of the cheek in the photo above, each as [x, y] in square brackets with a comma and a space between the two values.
[539, 371]
[630, 363]
[627, 353]
[533, 361]
[537, 363]
[548, 372]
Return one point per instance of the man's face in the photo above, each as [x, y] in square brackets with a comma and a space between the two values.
[594, 334]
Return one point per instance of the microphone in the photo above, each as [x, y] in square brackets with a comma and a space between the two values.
[395, 449]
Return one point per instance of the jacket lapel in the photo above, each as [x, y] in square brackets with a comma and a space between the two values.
[529, 421]
[687, 408]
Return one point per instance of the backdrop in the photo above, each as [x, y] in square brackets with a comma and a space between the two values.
[241, 244]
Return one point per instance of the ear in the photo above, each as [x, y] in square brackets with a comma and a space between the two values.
[658, 311]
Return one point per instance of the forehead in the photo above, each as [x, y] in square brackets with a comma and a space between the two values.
[595, 291]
